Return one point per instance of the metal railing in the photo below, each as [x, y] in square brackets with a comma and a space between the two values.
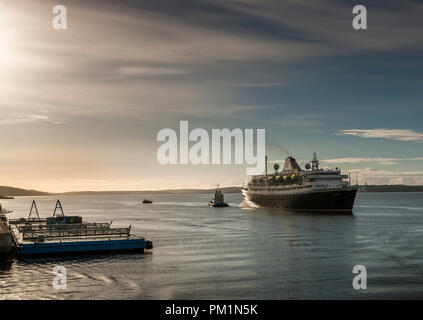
[63, 233]
[48, 227]
[26, 221]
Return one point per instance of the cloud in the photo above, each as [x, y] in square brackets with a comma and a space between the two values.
[134, 62]
[150, 71]
[259, 84]
[375, 176]
[329, 22]
[246, 108]
[121, 59]
[16, 118]
[309, 121]
[391, 134]
[388, 163]
[364, 160]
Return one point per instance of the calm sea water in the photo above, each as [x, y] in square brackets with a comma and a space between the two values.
[233, 253]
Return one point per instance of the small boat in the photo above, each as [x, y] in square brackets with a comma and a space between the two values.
[218, 201]
[3, 211]
[147, 201]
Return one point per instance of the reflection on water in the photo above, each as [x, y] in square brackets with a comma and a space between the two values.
[6, 265]
[232, 253]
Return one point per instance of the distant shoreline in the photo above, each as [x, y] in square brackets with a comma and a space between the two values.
[167, 191]
[237, 190]
[16, 192]
[390, 188]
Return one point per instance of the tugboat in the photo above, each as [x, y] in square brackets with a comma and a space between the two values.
[147, 201]
[218, 201]
[293, 188]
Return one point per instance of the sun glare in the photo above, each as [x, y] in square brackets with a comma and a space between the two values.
[6, 46]
[6, 42]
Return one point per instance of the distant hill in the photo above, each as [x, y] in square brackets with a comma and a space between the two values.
[15, 192]
[390, 188]
[169, 191]
[228, 190]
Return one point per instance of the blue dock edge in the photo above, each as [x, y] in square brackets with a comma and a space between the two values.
[80, 247]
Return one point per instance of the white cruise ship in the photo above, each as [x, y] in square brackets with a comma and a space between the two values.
[312, 189]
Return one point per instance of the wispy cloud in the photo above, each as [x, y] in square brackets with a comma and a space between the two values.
[16, 118]
[259, 84]
[309, 121]
[246, 108]
[150, 71]
[375, 176]
[391, 134]
[365, 160]
[325, 21]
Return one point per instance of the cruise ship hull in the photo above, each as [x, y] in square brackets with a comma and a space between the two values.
[336, 200]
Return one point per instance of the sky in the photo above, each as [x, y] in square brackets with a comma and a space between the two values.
[81, 108]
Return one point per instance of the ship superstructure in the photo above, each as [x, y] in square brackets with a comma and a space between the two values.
[312, 189]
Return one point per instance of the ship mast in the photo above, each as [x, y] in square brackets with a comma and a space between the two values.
[314, 162]
[265, 159]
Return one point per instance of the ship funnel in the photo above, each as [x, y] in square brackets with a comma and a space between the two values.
[291, 164]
